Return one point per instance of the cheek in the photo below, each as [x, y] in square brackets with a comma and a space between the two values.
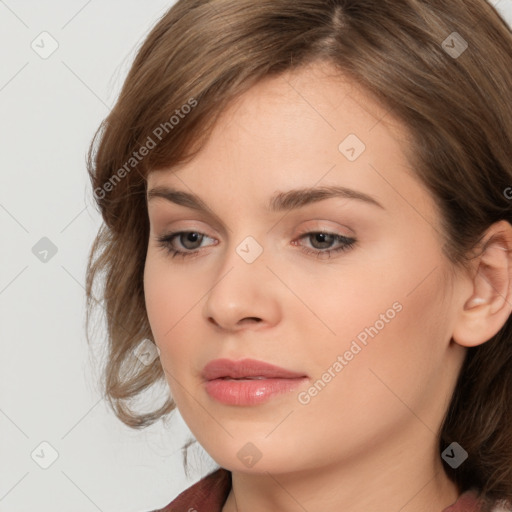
[346, 301]
[389, 316]
[397, 371]
[168, 299]
[393, 342]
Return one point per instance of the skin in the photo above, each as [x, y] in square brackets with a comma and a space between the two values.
[367, 440]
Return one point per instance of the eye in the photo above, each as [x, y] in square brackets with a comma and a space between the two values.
[324, 240]
[191, 242]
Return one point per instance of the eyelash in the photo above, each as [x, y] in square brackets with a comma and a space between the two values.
[165, 242]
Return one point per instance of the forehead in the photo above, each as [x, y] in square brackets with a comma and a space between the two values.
[306, 127]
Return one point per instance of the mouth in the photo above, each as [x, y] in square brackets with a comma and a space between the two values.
[243, 378]
[248, 382]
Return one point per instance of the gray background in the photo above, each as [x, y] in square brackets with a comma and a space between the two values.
[49, 110]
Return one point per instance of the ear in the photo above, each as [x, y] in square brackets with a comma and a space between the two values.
[488, 307]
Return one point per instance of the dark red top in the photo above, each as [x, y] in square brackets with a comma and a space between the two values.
[210, 493]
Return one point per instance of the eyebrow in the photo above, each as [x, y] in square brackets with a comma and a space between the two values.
[281, 201]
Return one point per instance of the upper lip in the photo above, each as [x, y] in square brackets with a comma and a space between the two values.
[246, 368]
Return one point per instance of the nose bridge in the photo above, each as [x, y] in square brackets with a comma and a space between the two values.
[245, 245]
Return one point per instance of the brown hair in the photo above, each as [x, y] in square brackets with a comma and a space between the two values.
[456, 105]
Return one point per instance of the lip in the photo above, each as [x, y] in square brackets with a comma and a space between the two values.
[247, 381]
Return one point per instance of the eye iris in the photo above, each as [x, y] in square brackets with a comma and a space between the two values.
[190, 237]
[323, 237]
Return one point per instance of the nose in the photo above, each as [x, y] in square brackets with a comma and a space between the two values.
[243, 295]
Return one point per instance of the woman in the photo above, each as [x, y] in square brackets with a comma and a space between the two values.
[307, 217]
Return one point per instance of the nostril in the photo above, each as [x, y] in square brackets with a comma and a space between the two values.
[251, 319]
[248, 319]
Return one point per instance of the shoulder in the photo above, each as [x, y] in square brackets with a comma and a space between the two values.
[209, 493]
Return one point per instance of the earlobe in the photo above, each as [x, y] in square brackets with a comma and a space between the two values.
[489, 306]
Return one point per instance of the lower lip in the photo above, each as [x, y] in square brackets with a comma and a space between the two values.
[250, 391]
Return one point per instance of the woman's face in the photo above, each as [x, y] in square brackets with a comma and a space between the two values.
[362, 315]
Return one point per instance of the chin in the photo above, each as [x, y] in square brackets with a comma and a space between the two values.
[253, 457]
